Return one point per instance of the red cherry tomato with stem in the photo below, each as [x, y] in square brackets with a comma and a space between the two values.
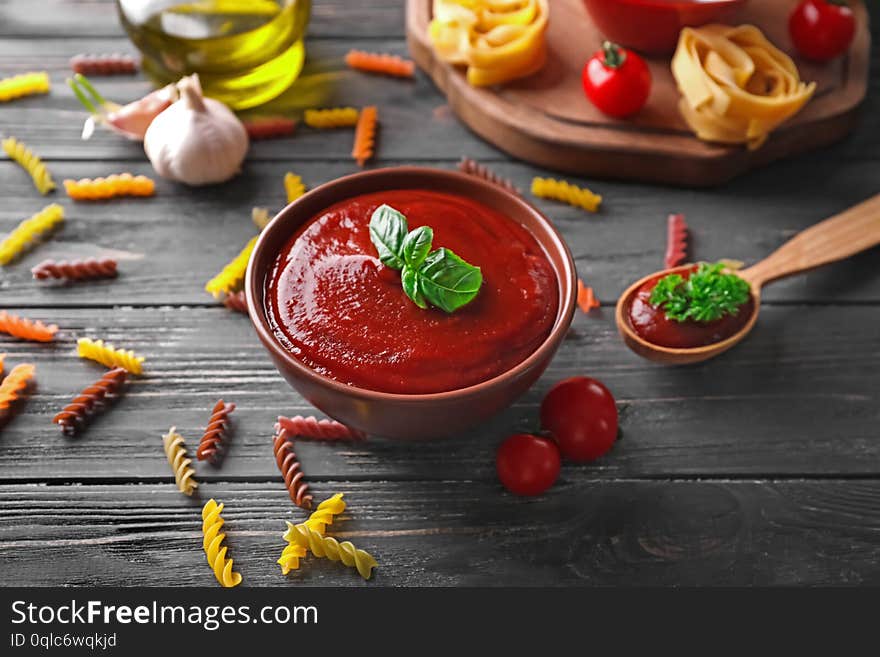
[581, 415]
[822, 29]
[527, 464]
[617, 81]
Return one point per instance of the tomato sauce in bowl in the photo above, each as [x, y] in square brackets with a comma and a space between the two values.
[337, 309]
[651, 323]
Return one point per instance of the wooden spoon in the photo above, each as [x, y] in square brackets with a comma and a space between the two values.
[839, 237]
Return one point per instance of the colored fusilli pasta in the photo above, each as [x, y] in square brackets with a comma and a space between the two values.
[28, 232]
[26, 329]
[236, 301]
[212, 446]
[291, 470]
[676, 241]
[560, 190]
[318, 520]
[365, 135]
[98, 189]
[215, 551]
[474, 168]
[14, 384]
[233, 273]
[73, 416]
[314, 429]
[334, 117]
[260, 217]
[181, 465]
[293, 186]
[269, 127]
[108, 355]
[104, 64]
[26, 84]
[380, 63]
[329, 548]
[586, 299]
[75, 270]
[31, 163]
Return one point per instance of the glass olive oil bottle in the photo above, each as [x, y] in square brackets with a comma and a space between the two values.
[246, 52]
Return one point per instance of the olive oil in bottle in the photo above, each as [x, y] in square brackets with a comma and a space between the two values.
[246, 52]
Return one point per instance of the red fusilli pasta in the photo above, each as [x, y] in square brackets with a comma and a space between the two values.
[112, 64]
[75, 270]
[73, 416]
[212, 446]
[290, 468]
[269, 127]
[236, 301]
[676, 240]
[474, 168]
[314, 429]
[380, 63]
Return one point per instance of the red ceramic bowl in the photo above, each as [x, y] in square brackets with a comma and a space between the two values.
[652, 26]
[416, 416]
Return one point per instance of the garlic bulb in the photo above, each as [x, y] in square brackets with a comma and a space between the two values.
[197, 140]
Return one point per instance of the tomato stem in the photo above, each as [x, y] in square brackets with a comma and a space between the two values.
[614, 55]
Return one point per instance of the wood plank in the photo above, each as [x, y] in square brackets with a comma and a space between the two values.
[586, 533]
[800, 397]
[97, 18]
[625, 242]
[417, 123]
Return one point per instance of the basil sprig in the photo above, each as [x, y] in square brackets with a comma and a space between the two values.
[438, 277]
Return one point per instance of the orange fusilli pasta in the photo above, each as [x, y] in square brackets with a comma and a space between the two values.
[13, 385]
[380, 63]
[365, 135]
[26, 329]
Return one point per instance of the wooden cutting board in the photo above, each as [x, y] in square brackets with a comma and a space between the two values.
[545, 119]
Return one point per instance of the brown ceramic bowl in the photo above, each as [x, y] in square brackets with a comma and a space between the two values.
[416, 416]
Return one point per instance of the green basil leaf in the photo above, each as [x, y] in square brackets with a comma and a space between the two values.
[410, 279]
[388, 229]
[447, 281]
[417, 245]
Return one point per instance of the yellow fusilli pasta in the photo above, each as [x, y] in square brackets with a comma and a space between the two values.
[559, 190]
[212, 523]
[318, 520]
[108, 355]
[175, 450]
[26, 84]
[96, 189]
[233, 273]
[28, 231]
[260, 217]
[294, 186]
[329, 548]
[30, 163]
[335, 117]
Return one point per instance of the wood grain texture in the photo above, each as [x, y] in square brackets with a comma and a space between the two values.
[544, 119]
[465, 533]
[811, 406]
[758, 468]
[611, 250]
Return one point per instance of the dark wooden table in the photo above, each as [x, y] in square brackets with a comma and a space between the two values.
[759, 468]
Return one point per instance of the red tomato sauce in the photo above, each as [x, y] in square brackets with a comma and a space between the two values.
[340, 311]
[651, 323]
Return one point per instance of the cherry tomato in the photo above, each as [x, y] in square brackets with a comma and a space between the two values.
[581, 415]
[527, 464]
[822, 29]
[617, 81]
